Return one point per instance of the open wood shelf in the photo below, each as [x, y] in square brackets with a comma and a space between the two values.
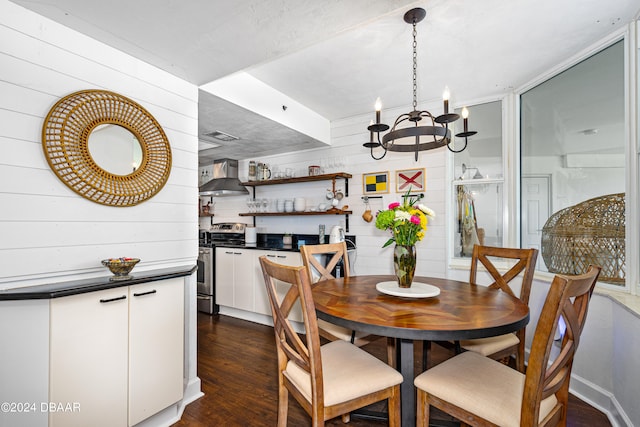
[329, 212]
[323, 177]
[313, 178]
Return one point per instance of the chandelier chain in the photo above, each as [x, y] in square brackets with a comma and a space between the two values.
[415, 67]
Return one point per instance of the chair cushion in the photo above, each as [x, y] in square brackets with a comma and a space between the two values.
[481, 386]
[348, 372]
[487, 346]
[343, 333]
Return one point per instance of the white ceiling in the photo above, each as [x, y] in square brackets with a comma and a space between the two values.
[336, 57]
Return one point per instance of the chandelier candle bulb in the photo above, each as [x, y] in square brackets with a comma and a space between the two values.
[466, 132]
[445, 97]
[465, 117]
[378, 107]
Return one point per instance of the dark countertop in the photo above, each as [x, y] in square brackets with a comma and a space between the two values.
[263, 246]
[273, 242]
[74, 287]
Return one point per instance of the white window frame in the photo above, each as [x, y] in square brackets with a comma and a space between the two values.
[457, 262]
[511, 158]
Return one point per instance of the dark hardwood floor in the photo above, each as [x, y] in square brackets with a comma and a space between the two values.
[237, 366]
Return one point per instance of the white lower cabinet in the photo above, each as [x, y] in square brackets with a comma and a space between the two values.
[235, 278]
[116, 356]
[239, 280]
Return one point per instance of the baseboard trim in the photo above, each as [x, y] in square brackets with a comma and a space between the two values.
[192, 392]
[173, 413]
[261, 319]
[600, 399]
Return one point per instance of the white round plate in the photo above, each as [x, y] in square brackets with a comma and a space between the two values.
[417, 290]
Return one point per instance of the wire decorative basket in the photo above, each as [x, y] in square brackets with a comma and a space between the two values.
[591, 232]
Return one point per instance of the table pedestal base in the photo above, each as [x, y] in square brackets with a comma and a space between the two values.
[405, 363]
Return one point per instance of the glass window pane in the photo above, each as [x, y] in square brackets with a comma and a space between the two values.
[483, 155]
[478, 180]
[479, 215]
[572, 150]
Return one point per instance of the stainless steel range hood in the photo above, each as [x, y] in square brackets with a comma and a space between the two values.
[225, 180]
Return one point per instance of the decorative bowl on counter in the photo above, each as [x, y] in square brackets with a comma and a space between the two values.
[120, 267]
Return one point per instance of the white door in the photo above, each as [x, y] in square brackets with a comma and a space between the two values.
[224, 277]
[536, 203]
[243, 279]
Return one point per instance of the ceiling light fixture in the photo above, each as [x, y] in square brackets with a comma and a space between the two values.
[221, 136]
[422, 137]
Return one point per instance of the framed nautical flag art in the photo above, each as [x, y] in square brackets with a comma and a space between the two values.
[375, 183]
[412, 180]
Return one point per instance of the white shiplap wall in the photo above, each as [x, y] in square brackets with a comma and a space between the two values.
[47, 231]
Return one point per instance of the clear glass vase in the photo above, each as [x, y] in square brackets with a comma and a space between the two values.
[404, 263]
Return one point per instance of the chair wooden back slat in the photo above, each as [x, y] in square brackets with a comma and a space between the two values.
[568, 299]
[288, 342]
[320, 261]
[322, 271]
[305, 353]
[526, 263]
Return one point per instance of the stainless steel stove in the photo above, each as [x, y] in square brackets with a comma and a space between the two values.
[227, 233]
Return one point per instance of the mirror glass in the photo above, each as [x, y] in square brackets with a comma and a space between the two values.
[115, 149]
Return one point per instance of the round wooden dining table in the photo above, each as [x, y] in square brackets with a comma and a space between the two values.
[460, 311]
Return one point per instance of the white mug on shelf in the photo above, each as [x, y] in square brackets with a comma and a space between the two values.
[299, 204]
[288, 205]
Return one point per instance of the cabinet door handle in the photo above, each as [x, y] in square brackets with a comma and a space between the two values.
[282, 256]
[113, 299]
[271, 256]
[228, 252]
[237, 253]
[144, 293]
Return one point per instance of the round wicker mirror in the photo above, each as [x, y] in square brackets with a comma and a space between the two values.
[65, 136]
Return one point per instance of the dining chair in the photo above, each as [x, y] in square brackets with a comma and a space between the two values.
[329, 380]
[321, 261]
[480, 391]
[502, 347]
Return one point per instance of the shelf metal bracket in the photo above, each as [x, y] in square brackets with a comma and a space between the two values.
[253, 190]
[419, 195]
